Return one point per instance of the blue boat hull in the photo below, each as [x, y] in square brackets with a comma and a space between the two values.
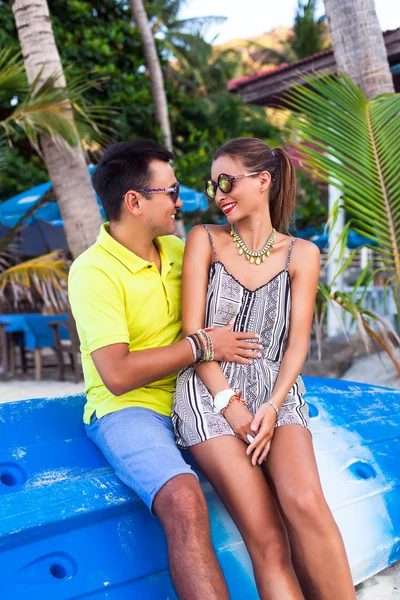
[71, 529]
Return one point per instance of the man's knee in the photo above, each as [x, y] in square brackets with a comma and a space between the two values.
[181, 502]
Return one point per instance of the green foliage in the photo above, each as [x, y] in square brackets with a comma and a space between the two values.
[354, 144]
[101, 40]
[309, 33]
[309, 36]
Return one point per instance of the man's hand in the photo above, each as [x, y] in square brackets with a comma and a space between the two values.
[239, 418]
[264, 424]
[231, 346]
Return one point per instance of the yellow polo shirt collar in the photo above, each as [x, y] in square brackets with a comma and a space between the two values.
[130, 260]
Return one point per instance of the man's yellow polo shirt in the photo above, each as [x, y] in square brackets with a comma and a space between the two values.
[117, 297]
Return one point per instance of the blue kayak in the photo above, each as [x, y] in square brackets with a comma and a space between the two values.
[71, 529]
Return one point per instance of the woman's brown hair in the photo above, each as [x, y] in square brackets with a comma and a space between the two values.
[256, 155]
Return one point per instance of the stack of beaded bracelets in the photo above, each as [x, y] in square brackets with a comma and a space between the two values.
[236, 397]
[202, 346]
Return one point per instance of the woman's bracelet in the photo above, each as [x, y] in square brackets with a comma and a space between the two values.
[235, 398]
[274, 406]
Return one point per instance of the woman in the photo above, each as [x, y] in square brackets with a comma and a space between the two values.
[258, 456]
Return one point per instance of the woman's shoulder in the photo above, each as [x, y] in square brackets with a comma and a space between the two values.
[204, 230]
[306, 246]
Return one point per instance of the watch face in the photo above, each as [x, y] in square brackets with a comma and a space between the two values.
[222, 400]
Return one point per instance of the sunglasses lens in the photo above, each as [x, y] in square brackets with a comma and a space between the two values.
[176, 195]
[210, 189]
[224, 183]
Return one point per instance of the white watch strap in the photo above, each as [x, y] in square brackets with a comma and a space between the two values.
[222, 398]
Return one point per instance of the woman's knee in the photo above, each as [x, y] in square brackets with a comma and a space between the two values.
[269, 546]
[306, 507]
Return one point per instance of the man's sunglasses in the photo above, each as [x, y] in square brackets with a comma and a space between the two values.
[224, 183]
[173, 191]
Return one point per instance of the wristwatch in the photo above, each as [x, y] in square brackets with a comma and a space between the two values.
[221, 399]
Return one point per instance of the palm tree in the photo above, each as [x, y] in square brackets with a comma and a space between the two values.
[66, 166]
[183, 40]
[155, 72]
[353, 144]
[43, 109]
[359, 49]
[309, 36]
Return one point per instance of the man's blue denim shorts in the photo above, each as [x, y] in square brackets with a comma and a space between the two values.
[140, 446]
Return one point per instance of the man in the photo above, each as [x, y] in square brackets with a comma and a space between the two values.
[125, 294]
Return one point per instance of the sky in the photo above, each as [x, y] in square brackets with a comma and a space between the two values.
[254, 17]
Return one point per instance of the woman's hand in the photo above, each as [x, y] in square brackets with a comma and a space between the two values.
[239, 418]
[264, 424]
[232, 346]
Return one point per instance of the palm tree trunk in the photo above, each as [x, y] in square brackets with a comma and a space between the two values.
[66, 166]
[359, 46]
[155, 72]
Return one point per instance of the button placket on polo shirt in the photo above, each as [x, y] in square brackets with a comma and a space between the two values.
[161, 281]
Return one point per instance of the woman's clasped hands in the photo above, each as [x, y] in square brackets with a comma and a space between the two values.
[260, 427]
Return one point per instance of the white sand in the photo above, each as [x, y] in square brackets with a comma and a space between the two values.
[21, 390]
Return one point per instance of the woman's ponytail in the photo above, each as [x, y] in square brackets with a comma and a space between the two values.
[283, 191]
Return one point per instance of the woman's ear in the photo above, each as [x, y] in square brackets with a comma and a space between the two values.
[265, 178]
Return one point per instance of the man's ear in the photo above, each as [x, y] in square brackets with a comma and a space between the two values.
[265, 178]
[132, 201]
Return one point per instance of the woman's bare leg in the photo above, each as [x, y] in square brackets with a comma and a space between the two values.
[245, 493]
[296, 550]
[317, 548]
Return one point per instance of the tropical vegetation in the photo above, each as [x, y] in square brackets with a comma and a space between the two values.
[353, 144]
[39, 109]
[308, 36]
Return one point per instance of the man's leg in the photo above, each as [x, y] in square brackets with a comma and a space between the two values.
[140, 446]
[182, 510]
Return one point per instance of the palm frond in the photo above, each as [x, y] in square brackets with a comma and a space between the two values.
[15, 229]
[370, 325]
[354, 144]
[13, 79]
[44, 277]
[57, 112]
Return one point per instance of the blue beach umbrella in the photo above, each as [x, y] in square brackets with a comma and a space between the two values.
[39, 237]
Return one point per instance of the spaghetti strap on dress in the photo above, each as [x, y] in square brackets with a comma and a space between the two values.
[210, 237]
[266, 311]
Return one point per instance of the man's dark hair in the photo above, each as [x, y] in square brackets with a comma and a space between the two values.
[123, 167]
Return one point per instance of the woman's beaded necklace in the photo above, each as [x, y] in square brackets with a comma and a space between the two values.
[253, 256]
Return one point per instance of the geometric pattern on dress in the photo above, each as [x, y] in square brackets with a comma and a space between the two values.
[265, 311]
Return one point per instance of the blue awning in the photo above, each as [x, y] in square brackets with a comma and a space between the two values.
[16, 207]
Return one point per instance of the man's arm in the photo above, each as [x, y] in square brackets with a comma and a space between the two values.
[122, 371]
[99, 311]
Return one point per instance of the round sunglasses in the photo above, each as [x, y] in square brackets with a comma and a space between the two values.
[224, 183]
[173, 191]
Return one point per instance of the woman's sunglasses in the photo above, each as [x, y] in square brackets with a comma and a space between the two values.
[224, 183]
[173, 191]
